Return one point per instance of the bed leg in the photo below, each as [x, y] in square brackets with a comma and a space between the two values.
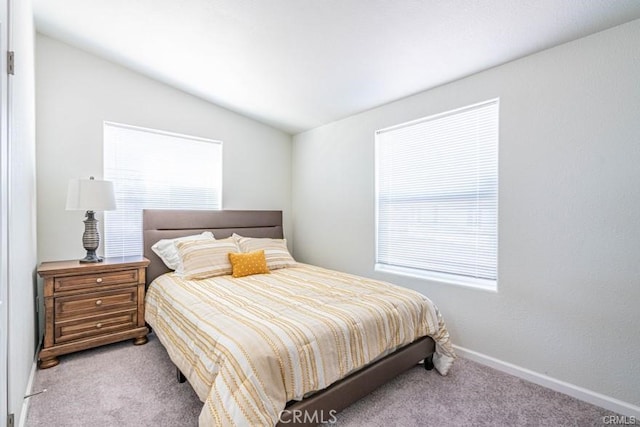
[180, 376]
[428, 362]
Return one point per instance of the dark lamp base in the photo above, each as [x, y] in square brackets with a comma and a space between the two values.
[91, 257]
[90, 239]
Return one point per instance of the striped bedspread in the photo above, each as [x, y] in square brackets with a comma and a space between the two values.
[250, 345]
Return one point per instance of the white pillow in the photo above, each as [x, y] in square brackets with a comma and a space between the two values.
[206, 258]
[275, 250]
[168, 252]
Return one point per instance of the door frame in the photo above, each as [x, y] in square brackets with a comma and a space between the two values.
[4, 211]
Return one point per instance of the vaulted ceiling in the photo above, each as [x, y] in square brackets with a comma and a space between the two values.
[298, 64]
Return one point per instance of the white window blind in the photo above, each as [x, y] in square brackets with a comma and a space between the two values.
[437, 196]
[152, 169]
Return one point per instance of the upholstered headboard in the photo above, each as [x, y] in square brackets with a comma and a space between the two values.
[168, 224]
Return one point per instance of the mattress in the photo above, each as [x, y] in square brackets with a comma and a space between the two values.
[249, 345]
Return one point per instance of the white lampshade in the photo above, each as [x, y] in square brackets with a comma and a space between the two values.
[90, 195]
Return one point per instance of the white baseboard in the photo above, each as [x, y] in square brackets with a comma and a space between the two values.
[589, 396]
[24, 411]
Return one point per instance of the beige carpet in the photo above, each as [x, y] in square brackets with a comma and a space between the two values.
[126, 385]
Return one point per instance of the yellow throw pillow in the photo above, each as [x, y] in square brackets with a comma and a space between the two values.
[246, 264]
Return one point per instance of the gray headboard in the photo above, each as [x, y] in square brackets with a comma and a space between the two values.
[167, 224]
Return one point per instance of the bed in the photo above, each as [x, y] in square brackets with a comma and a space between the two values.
[306, 404]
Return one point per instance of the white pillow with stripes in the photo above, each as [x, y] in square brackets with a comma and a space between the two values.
[275, 250]
[206, 258]
[168, 253]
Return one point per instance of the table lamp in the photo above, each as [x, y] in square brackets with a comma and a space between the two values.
[90, 195]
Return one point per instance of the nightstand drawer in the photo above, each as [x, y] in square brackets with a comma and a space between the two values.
[71, 330]
[95, 303]
[70, 283]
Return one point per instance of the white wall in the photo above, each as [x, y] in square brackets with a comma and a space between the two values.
[569, 210]
[77, 91]
[22, 207]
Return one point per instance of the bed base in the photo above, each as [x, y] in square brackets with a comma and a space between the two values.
[180, 375]
[321, 406]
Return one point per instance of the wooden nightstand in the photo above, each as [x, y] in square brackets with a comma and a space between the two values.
[88, 305]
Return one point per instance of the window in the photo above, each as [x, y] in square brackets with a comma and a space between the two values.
[152, 169]
[437, 196]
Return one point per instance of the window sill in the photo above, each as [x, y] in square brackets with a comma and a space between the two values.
[449, 279]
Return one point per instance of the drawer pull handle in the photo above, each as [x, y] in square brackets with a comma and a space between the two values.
[99, 302]
[99, 280]
[98, 325]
